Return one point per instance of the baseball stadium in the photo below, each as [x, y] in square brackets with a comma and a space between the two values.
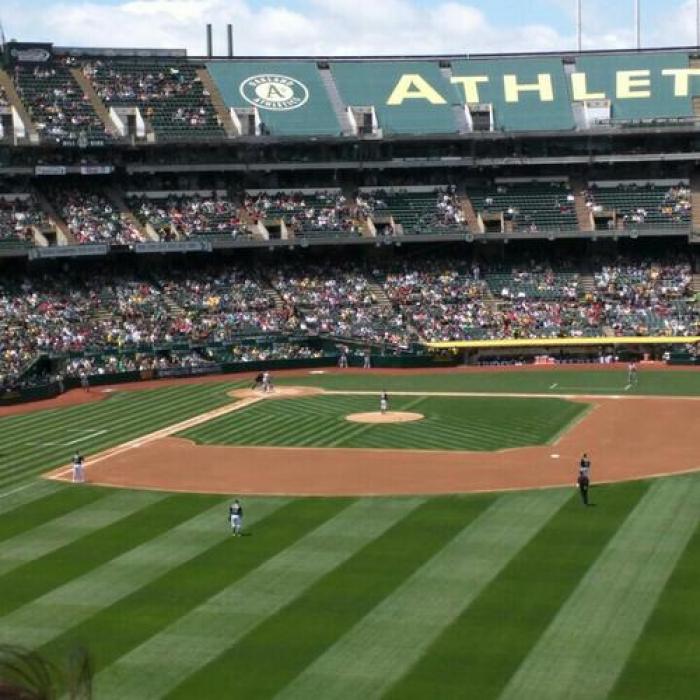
[403, 312]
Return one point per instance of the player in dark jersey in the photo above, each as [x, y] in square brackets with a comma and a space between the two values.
[235, 516]
[584, 478]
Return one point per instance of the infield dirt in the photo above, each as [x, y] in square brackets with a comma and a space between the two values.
[627, 438]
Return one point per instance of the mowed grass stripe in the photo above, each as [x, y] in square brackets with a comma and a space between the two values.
[121, 429]
[599, 624]
[162, 601]
[670, 644]
[45, 508]
[98, 509]
[39, 426]
[64, 608]
[117, 419]
[263, 662]
[233, 612]
[485, 645]
[125, 418]
[383, 645]
[12, 498]
[277, 426]
[129, 515]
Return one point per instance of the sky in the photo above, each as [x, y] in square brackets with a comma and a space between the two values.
[349, 27]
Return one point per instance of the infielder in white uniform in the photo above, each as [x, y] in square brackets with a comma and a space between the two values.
[235, 516]
[78, 469]
[383, 402]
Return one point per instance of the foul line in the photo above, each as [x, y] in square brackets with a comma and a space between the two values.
[158, 434]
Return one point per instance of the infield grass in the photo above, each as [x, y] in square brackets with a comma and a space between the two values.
[450, 423]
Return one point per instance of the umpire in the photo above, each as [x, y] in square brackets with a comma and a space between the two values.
[584, 478]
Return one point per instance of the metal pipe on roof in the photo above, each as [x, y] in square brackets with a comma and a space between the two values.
[579, 24]
[229, 36]
[637, 24]
[210, 43]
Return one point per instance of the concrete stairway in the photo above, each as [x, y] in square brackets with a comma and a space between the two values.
[469, 214]
[377, 291]
[583, 214]
[587, 282]
[339, 106]
[274, 298]
[695, 199]
[696, 283]
[63, 234]
[115, 196]
[96, 103]
[16, 102]
[217, 102]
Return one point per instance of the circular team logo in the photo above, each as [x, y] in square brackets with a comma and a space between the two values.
[279, 93]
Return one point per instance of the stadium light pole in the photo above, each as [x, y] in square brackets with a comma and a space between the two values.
[578, 24]
[637, 24]
[697, 22]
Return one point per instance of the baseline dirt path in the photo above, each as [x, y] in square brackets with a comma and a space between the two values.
[626, 437]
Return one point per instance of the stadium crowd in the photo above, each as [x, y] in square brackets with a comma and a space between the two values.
[17, 216]
[322, 211]
[186, 215]
[391, 305]
[92, 218]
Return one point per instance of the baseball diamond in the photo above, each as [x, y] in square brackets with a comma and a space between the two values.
[377, 595]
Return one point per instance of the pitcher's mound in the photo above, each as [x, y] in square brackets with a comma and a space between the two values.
[388, 417]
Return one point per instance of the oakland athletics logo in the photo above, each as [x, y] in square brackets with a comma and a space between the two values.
[276, 92]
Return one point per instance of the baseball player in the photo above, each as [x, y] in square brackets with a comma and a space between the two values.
[632, 373]
[78, 469]
[235, 516]
[267, 383]
[257, 383]
[584, 478]
[383, 402]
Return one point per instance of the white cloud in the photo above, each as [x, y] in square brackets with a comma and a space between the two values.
[327, 27]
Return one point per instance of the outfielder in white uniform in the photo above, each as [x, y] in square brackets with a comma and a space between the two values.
[235, 515]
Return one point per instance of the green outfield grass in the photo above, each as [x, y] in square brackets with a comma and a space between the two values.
[449, 423]
[547, 381]
[512, 596]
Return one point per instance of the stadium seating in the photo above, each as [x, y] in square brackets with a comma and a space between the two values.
[167, 91]
[18, 213]
[534, 284]
[416, 212]
[92, 218]
[534, 206]
[640, 204]
[393, 304]
[186, 214]
[305, 214]
[56, 103]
